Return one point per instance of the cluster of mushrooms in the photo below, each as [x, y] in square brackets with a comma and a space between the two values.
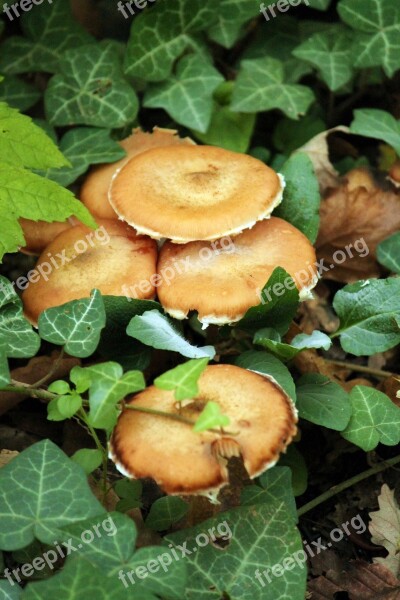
[167, 207]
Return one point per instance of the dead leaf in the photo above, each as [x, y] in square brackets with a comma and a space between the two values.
[348, 385]
[321, 588]
[355, 217]
[385, 529]
[391, 387]
[6, 456]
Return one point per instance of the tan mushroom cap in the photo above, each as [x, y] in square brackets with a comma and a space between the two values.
[81, 259]
[39, 234]
[184, 462]
[194, 192]
[94, 191]
[223, 279]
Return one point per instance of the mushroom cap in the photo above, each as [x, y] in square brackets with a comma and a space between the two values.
[184, 462]
[94, 191]
[80, 259]
[39, 234]
[194, 192]
[223, 279]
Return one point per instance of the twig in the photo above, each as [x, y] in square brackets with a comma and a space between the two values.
[53, 370]
[361, 369]
[21, 388]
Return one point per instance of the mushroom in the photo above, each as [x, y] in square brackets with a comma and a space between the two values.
[94, 191]
[222, 280]
[114, 259]
[194, 192]
[39, 234]
[262, 419]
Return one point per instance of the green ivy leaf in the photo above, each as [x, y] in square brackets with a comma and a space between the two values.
[69, 404]
[9, 591]
[261, 86]
[91, 90]
[378, 124]
[276, 484]
[76, 325]
[290, 135]
[301, 197]
[262, 536]
[155, 330]
[377, 25]
[388, 253]
[231, 16]
[210, 417]
[295, 460]
[266, 364]
[24, 144]
[183, 378]
[166, 511]
[160, 36]
[84, 146]
[375, 418]
[187, 96]
[330, 52]
[50, 31]
[59, 387]
[270, 339]
[42, 490]
[323, 402]
[318, 4]
[4, 370]
[18, 93]
[129, 492]
[280, 300]
[369, 314]
[108, 385]
[88, 459]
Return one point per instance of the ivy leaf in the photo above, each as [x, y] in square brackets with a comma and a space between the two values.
[91, 90]
[76, 325]
[378, 124]
[155, 330]
[42, 490]
[266, 364]
[211, 417]
[270, 339]
[231, 16]
[160, 36]
[64, 407]
[129, 491]
[388, 253]
[369, 314]
[18, 93]
[329, 51]
[50, 31]
[108, 385]
[4, 370]
[301, 197]
[279, 303]
[9, 591]
[261, 86]
[319, 4]
[295, 460]
[183, 378]
[84, 146]
[375, 418]
[166, 511]
[377, 25]
[187, 96]
[323, 402]
[88, 459]
[24, 144]
[276, 483]
[256, 537]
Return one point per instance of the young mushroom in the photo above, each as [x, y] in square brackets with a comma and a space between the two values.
[262, 424]
[223, 279]
[194, 192]
[80, 259]
[94, 191]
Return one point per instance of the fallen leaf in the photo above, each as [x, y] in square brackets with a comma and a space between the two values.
[6, 456]
[391, 387]
[385, 529]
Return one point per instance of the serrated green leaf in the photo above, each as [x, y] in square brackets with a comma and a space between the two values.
[183, 378]
[108, 385]
[388, 253]
[323, 402]
[330, 52]
[76, 325]
[91, 90]
[84, 146]
[369, 314]
[24, 144]
[276, 484]
[378, 124]
[261, 536]
[266, 364]
[375, 418]
[88, 459]
[301, 197]
[187, 96]
[19, 93]
[42, 490]
[9, 591]
[155, 330]
[211, 417]
[377, 25]
[160, 36]
[50, 31]
[166, 511]
[261, 86]
[269, 339]
[231, 16]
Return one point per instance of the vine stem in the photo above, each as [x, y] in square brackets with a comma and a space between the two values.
[360, 368]
[82, 415]
[53, 370]
[20, 388]
[336, 489]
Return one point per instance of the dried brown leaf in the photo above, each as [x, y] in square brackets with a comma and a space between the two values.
[6, 456]
[385, 529]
